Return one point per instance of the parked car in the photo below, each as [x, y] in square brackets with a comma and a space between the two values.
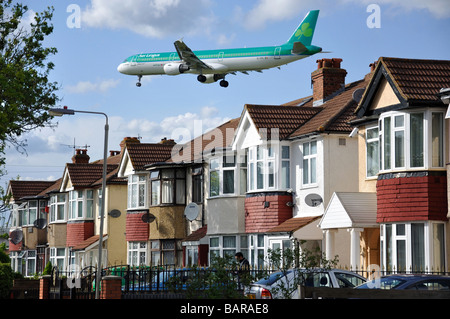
[271, 286]
[419, 282]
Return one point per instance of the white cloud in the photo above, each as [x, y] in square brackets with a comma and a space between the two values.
[50, 148]
[153, 18]
[88, 86]
[277, 10]
[439, 8]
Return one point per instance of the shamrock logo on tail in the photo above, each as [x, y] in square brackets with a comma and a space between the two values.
[305, 31]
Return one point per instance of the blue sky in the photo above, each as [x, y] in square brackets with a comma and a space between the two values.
[111, 30]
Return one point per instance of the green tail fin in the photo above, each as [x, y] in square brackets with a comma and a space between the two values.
[305, 30]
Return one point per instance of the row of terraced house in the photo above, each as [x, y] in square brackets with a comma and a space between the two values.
[358, 170]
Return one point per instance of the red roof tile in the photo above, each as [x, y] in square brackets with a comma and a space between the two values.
[84, 175]
[285, 118]
[142, 154]
[21, 189]
[198, 234]
[293, 224]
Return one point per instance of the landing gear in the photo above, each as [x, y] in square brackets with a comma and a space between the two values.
[138, 84]
[223, 83]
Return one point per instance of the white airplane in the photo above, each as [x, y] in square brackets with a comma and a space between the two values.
[214, 65]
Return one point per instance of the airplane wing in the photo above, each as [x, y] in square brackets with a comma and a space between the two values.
[188, 56]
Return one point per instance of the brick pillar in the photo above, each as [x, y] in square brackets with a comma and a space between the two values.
[111, 287]
[44, 287]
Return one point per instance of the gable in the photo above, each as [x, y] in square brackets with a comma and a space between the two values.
[246, 134]
[384, 96]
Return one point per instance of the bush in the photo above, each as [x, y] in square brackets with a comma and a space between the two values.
[6, 280]
[47, 269]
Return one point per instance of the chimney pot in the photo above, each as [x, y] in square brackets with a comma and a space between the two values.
[80, 157]
[327, 80]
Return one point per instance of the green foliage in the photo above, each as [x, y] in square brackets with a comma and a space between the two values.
[47, 269]
[6, 280]
[25, 90]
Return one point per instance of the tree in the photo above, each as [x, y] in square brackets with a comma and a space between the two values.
[25, 90]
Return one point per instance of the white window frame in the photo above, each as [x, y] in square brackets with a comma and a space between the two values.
[137, 180]
[80, 203]
[369, 141]
[408, 237]
[137, 251]
[309, 157]
[219, 167]
[54, 257]
[55, 203]
[427, 141]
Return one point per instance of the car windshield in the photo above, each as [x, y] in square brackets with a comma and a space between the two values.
[268, 281]
[383, 283]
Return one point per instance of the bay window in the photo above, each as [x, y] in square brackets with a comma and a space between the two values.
[57, 207]
[403, 247]
[409, 140]
[268, 167]
[137, 185]
[81, 203]
[137, 253]
[168, 187]
[372, 152]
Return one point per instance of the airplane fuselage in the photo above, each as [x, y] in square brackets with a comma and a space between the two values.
[221, 61]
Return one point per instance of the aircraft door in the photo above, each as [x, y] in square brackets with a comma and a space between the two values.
[173, 56]
[277, 52]
[220, 58]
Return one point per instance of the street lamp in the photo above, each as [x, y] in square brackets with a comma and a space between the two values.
[67, 111]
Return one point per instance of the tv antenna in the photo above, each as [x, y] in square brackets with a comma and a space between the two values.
[74, 146]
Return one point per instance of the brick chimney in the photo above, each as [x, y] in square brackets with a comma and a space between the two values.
[165, 141]
[327, 80]
[128, 140]
[80, 157]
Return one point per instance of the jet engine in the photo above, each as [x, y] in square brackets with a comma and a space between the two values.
[175, 68]
[209, 78]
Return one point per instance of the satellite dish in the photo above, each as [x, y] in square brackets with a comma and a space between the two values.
[313, 200]
[148, 218]
[191, 211]
[115, 213]
[357, 94]
[40, 223]
[16, 236]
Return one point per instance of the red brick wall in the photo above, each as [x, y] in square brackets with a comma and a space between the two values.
[78, 232]
[259, 218]
[136, 229]
[420, 196]
[15, 247]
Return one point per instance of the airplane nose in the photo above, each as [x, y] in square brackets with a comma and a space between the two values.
[120, 68]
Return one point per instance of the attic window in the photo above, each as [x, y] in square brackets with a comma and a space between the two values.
[342, 141]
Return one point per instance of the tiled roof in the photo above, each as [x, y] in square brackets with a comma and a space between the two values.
[198, 234]
[285, 118]
[20, 189]
[415, 81]
[142, 154]
[293, 224]
[88, 242]
[84, 175]
[335, 113]
[220, 137]
[418, 79]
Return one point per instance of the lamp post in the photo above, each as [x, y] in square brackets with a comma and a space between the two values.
[67, 111]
